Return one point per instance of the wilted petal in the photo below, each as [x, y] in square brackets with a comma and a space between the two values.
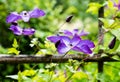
[62, 48]
[16, 30]
[13, 17]
[36, 13]
[25, 16]
[28, 31]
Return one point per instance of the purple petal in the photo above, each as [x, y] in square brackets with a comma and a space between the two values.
[114, 3]
[62, 48]
[75, 31]
[25, 16]
[119, 6]
[68, 33]
[28, 31]
[82, 33]
[75, 40]
[13, 17]
[16, 29]
[89, 43]
[65, 39]
[84, 48]
[36, 13]
[54, 39]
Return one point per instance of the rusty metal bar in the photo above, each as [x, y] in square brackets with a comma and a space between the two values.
[100, 38]
[12, 59]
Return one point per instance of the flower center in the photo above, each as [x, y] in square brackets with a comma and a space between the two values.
[25, 13]
[70, 45]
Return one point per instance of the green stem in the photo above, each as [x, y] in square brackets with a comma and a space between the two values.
[64, 55]
[69, 77]
[50, 79]
[18, 66]
[75, 69]
[71, 74]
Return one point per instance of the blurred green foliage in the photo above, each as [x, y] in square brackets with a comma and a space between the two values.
[56, 13]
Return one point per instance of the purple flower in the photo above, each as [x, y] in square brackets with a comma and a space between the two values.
[75, 31]
[67, 43]
[16, 29]
[24, 15]
[19, 31]
[28, 31]
[116, 4]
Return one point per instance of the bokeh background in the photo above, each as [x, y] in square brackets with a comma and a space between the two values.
[56, 13]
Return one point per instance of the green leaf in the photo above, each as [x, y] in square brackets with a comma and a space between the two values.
[50, 45]
[80, 75]
[61, 77]
[116, 32]
[103, 55]
[111, 4]
[15, 44]
[107, 22]
[29, 72]
[12, 76]
[38, 78]
[16, 77]
[13, 51]
[71, 69]
[115, 24]
[42, 52]
[20, 78]
[116, 57]
[93, 8]
[110, 23]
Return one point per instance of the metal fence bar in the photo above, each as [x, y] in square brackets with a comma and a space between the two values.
[12, 59]
[100, 38]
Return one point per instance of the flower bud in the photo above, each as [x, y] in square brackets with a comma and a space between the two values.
[68, 19]
[57, 43]
[14, 23]
[112, 43]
